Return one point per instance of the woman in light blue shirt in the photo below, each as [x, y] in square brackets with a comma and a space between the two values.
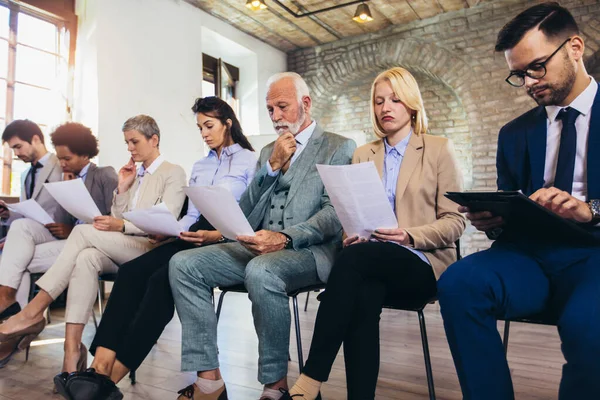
[141, 303]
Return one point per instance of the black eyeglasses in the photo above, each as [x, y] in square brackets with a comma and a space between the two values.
[536, 70]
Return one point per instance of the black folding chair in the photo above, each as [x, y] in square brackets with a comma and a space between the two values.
[293, 294]
[418, 308]
[547, 317]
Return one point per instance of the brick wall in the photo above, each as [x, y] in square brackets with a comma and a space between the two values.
[461, 79]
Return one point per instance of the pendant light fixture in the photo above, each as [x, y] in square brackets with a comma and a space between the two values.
[256, 5]
[362, 14]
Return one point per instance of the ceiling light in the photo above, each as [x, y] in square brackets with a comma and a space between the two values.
[363, 14]
[256, 5]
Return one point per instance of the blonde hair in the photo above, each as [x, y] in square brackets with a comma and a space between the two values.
[406, 89]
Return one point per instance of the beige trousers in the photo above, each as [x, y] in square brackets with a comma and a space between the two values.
[88, 253]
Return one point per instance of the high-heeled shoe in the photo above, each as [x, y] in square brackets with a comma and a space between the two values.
[21, 343]
[34, 329]
[60, 380]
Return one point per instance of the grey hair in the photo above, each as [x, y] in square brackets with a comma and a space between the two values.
[301, 86]
[144, 124]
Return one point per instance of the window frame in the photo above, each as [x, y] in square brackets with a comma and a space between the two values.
[66, 23]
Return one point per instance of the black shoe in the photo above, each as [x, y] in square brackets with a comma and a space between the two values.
[90, 385]
[11, 310]
[288, 396]
[60, 385]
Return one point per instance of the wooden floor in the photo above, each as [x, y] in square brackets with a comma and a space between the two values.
[534, 357]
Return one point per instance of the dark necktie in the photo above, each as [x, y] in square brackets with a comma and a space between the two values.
[565, 168]
[32, 171]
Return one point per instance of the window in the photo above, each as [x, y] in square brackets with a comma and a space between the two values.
[220, 79]
[34, 76]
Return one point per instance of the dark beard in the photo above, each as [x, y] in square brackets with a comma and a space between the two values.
[558, 92]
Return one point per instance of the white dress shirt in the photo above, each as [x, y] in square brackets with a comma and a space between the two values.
[302, 139]
[43, 161]
[583, 103]
[141, 171]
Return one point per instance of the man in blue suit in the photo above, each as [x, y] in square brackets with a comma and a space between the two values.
[552, 154]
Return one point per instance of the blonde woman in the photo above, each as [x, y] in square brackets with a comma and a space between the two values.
[99, 248]
[393, 266]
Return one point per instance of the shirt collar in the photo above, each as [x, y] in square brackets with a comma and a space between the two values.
[84, 171]
[400, 146]
[228, 151]
[44, 159]
[152, 168]
[306, 134]
[582, 103]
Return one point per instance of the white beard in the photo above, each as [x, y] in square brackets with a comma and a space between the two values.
[293, 128]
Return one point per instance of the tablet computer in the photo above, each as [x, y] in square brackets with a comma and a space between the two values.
[525, 216]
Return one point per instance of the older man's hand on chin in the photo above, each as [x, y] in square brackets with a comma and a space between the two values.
[284, 149]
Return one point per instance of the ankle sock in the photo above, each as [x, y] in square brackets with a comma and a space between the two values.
[208, 386]
[272, 394]
[307, 386]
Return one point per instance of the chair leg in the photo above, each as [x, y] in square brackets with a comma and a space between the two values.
[100, 299]
[306, 302]
[506, 332]
[95, 320]
[298, 334]
[132, 377]
[426, 355]
[221, 296]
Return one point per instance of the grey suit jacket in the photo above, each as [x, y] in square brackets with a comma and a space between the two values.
[101, 182]
[308, 217]
[51, 172]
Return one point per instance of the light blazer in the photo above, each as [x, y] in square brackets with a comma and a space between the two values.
[164, 185]
[101, 182]
[50, 172]
[308, 215]
[429, 169]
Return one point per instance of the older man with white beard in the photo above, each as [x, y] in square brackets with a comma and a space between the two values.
[297, 236]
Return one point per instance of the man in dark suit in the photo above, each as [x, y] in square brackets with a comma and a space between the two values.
[552, 154]
[31, 247]
[298, 234]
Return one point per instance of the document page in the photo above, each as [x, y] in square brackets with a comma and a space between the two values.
[359, 198]
[74, 197]
[32, 210]
[221, 209]
[156, 220]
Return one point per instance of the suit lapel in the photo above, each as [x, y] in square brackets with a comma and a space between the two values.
[89, 179]
[412, 156]
[377, 156]
[305, 162]
[44, 174]
[593, 155]
[536, 146]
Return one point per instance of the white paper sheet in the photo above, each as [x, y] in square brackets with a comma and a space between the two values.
[74, 197]
[359, 198]
[156, 220]
[32, 210]
[220, 208]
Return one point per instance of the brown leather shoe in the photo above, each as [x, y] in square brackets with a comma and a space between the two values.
[194, 393]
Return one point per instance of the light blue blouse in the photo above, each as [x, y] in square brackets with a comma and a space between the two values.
[391, 169]
[234, 170]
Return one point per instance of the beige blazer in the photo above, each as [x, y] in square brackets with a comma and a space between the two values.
[164, 185]
[429, 169]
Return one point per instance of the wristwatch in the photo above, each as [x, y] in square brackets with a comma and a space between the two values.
[594, 206]
[288, 241]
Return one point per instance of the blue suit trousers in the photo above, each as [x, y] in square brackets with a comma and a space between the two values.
[517, 278]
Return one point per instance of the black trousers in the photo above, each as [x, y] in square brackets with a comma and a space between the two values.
[140, 305]
[364, 277]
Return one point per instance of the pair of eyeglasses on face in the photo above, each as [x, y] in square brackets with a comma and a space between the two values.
[535, 70]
